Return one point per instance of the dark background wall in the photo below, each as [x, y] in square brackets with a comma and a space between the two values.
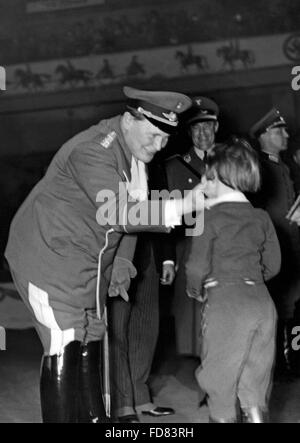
[122, 25]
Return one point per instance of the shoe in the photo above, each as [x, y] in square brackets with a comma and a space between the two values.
[129, 419]
[159, 412]
[222, 420]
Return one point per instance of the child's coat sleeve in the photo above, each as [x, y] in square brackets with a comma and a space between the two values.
[199, 258]
[271, 254]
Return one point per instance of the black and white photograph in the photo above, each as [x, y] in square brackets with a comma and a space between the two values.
[150, 214]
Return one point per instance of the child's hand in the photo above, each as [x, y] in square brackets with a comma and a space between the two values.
[193, 293]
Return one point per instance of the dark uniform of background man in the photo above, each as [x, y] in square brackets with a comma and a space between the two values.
[65, 236]
[135, 324]
[183, 172]
[277, 196]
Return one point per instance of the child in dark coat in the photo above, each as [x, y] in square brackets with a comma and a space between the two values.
[226, 269]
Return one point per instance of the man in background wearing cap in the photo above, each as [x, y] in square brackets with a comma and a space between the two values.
[183, 173]
[64, 239]
[277, 196]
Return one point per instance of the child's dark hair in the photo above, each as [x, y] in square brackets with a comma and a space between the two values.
[236, 165]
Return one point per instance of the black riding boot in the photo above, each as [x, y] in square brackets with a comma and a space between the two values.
[58, 385]
[91, 406]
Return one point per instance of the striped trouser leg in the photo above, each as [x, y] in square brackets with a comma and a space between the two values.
[121, 386]
[133, 333]
[143, 334]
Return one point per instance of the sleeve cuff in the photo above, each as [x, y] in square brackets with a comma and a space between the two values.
[169, 262]
[172, 218]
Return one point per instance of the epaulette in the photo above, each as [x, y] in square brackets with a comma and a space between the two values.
[108, 139]
[173, 157]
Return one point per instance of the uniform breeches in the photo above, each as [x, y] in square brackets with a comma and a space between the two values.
[133, 333]
[238, 348]
[58, 322]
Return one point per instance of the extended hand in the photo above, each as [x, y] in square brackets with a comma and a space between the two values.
[197, 295]
[194, 200]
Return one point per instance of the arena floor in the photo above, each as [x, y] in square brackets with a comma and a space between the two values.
[172, 383]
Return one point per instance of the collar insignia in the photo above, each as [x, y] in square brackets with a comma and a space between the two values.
[172, 117]
[187, 158]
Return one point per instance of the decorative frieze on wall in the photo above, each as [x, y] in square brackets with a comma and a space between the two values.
[154, 64]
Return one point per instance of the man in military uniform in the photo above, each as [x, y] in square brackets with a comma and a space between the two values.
[64, 239]
[183, 172]
[276, 197]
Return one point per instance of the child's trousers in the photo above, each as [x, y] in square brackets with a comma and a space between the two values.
[238, 350]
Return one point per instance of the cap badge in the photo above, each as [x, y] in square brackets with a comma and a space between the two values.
[199, 101]
[172, 117]
[179, 105]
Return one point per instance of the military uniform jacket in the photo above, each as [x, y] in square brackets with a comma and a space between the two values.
[276, 196]
[181, 171]
[183, 174]
[55, 240]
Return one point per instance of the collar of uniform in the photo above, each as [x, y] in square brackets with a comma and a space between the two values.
[230, 197]
[115, 124]
[192, 157]
[271, 156]
[200, 153]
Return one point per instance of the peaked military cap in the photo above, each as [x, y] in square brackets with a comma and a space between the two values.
[203, 109]
[161, 108]
[273, 119]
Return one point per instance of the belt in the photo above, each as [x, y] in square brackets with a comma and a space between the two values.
[213, 282]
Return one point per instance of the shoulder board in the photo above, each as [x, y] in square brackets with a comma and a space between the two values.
[108, 139]
[173, 157]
